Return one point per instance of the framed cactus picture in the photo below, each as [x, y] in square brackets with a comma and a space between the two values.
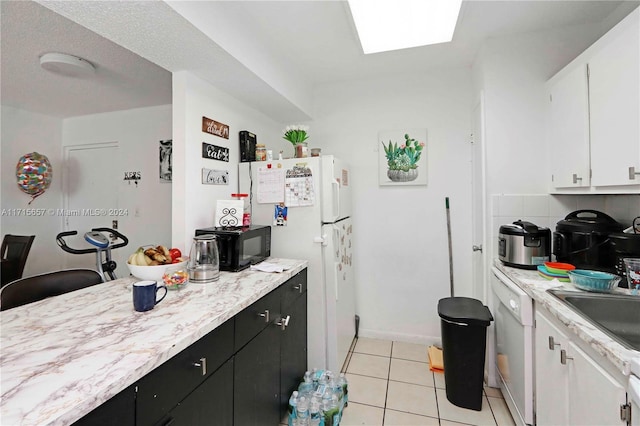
[402, 157]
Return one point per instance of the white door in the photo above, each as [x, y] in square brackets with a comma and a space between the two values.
[90, 192]
[340, 291]
[478, 211]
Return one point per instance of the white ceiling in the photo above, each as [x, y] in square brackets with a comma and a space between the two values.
[267, 53]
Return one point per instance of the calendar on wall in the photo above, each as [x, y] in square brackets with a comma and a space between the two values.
[298, 187]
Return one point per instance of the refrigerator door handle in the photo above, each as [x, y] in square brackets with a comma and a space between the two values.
[335, 185]
[321, 240]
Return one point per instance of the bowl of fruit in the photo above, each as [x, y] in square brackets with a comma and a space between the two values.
[151, 263]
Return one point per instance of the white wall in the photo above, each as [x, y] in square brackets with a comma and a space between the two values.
[24, 132]
[401, 257]
[193, 202]
[138, 132]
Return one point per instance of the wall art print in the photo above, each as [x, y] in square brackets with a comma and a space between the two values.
[402, 157]
[166, 160]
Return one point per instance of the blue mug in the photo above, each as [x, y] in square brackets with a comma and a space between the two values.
[145, 295]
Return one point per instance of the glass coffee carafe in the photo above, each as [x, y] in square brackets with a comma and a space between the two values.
[204, 263]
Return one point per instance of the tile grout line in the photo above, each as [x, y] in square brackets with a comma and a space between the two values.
[386, 394]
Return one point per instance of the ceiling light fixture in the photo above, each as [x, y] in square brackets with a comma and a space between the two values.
[68, 65]
[384, 25]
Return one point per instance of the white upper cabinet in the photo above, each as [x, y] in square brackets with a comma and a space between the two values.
[569, 130]
[594, 116]
[614, 94]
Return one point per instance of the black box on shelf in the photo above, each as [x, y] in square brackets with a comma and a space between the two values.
[247, 146]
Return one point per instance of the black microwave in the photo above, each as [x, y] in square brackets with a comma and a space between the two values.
[239, 248]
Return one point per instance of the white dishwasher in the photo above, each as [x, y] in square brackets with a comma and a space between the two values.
[514, 346]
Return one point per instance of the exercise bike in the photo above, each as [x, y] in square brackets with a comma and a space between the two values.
[105, 267]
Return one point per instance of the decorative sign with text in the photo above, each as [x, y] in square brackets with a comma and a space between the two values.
[215, 152]
[215, 177]
[213, 127]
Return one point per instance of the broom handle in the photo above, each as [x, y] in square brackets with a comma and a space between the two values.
[450, 246]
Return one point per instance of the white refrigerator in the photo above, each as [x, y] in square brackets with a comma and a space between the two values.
[307, 202]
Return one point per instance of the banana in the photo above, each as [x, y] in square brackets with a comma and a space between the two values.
[140, 260]
[159, 258]
[163, 250]
[132, 259]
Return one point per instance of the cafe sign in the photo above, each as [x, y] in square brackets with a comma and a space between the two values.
[214, 128]
[215, 152]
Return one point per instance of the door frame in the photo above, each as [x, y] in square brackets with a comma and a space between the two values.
[479, 189]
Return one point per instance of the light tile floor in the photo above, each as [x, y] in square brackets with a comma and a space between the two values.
[390, 384]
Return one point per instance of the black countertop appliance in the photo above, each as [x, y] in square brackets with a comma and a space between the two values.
[582, 239]
[625, 245]
[524, 245]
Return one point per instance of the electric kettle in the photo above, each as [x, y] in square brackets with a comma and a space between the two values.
[204, 263]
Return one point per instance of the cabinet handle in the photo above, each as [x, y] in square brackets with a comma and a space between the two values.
[633, 173]
[298, 287]
[564, 357]
[202, 364]
[265, 315]
[576, 178]
[283, 322]
[552, 343]
[169, 422]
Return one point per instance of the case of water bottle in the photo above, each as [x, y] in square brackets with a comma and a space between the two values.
[319, 400]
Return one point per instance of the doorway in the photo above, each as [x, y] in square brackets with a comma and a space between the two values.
[90, 193]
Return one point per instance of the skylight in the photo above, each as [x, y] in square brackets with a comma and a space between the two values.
[384, 25]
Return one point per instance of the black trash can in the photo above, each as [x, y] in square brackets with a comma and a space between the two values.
[464, 340]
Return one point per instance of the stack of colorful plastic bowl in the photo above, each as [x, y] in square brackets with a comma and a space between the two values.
[555, 270]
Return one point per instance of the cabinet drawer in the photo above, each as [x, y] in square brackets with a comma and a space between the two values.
[293, 288]
[256, 317]
[160, 390]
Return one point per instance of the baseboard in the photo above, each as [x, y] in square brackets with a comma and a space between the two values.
[401, 337]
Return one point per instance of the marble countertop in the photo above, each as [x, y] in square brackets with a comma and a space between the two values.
[64, 356]
[536, 287]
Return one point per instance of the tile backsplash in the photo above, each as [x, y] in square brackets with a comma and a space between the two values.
[547, 210]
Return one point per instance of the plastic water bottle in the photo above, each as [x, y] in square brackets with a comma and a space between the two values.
[315, 416]
[306, 387]
[331, 411]
[344, 384]
[293, 402]
[302, 412]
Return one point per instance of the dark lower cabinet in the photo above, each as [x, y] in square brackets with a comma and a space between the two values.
[293, 342]
[271, 365]
[171, 383]
[210, 404]
[120, 410]
[256, 380]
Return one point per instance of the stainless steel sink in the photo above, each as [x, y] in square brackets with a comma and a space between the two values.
[616, 315]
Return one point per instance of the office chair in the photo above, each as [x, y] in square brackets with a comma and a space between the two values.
[15, 249]
[38, 287]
